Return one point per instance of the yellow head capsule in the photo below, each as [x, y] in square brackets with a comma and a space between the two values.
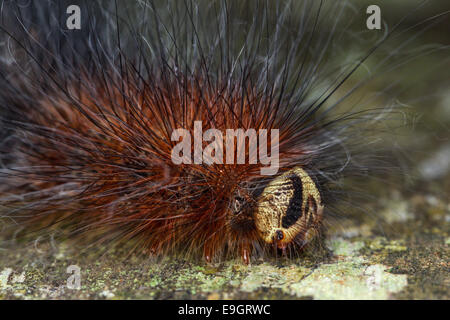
[289, 207]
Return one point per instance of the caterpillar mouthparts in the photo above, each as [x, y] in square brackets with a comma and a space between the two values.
[209, 128]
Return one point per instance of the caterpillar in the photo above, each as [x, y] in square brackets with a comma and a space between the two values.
[88, 118]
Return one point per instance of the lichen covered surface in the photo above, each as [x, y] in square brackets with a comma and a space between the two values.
[400, 249]
[404, 257]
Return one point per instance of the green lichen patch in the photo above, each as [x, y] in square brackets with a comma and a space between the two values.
[342, 247]
[350, 279]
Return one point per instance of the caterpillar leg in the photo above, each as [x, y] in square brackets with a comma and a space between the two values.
[207, 253]
[245, 250]
[210, 250]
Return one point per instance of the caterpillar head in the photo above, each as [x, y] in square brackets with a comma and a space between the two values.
[289, 209]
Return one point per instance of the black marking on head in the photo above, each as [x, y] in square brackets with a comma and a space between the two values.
[294, 210]
[311, 203]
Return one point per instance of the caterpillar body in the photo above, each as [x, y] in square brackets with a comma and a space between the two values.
[88, 118]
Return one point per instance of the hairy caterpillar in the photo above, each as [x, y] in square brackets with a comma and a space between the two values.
[88, 118]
